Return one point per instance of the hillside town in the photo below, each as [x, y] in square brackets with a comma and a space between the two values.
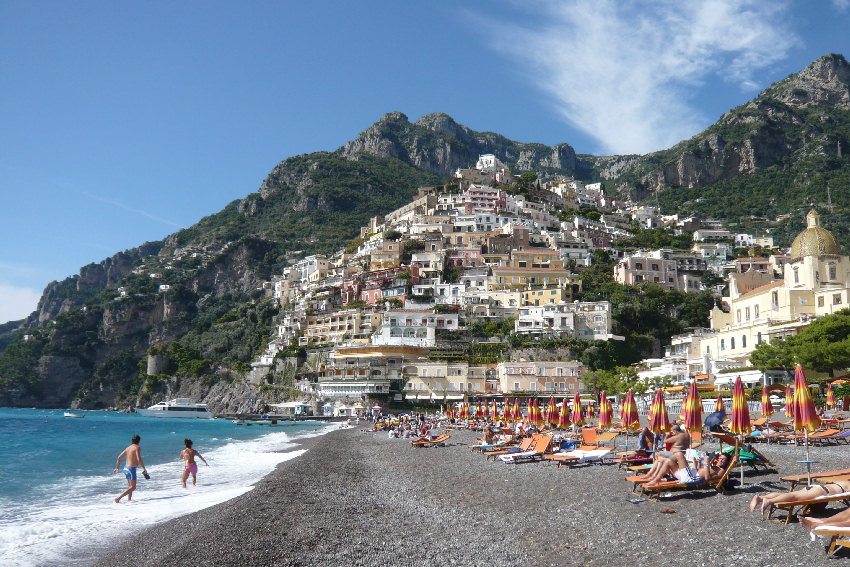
[390, 315]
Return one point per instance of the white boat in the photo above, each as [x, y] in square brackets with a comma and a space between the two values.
[178, 407]
[74, 414]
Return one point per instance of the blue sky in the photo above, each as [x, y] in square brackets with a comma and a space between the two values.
[123, 122]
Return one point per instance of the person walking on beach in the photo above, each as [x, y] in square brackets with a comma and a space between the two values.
[188, 454]
[133, 456]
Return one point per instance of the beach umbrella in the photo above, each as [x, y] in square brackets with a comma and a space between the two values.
[538, 415]
[578, 415]
[766, 405]
[789, 402]
[693, 409]
[531, 415]
[714, 418]
[564, 415]
[621, 406]
[805, 416]
[830, 398]
[629, 414]
[552, 412]
[719, 405]
[494, 412]
[517, 413]
[589, 411]
[740, 415]
[659, 422]
[605, 411]
[449, 411]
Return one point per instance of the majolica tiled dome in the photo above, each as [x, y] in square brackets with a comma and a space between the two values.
[814, 240]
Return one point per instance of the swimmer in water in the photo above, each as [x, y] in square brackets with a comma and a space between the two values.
[188, 454]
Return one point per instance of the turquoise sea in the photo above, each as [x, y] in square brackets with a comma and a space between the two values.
[57, 486]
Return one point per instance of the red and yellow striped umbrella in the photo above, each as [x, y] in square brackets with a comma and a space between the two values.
[450, 411]
[589, 411]
[494, 412]
[766, 405]
[564, 415]
[466, 412]
[517, 413]
[578, 415]
[629, 413]
[552, 412]
[605, 410]
[692, 409]
[479, 411]
[805, 416]
[538, 414]
[659, 422]
[830, 397]
[621, 407]
[719, 405]
[789, 401]
[740, 411]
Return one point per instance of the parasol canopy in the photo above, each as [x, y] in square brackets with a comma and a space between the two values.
[479, 411]
[552, 411]
[719, 405]
[659, 422]
[805, 416]
[789, 401]
[589, 411]
[517, 413]
[766, 405]
[494, 412]
[740, 424]
[564, 415]
[578, 415]
[605, 410]
[692, 409]
[830, 397]
[630, 417]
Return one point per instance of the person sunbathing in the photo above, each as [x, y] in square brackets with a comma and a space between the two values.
[814, 491]
[839, 520]
[678, 467]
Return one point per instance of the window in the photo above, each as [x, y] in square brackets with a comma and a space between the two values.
[739, 315]
[832, 271]
[560, 371]
[638, 266]
[836, 299]
[731, 343]
[796, 275]
[655, 267]
[758, 338]
[820, 301]
[572, 386]
[756, 311]
[747, 313]
[516, 386]
[722, 344]
[424, 372]
[532, 386]
[743, 341]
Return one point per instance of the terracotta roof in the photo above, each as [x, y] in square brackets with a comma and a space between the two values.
[777, 283]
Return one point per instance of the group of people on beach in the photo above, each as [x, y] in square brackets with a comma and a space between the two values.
[132, 456]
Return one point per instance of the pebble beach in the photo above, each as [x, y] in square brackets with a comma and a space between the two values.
[360, 498]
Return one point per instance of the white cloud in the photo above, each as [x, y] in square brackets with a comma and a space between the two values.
[841, 5]
[625, 73]
[17, 302]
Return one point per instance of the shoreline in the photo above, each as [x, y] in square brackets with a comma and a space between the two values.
[357, 498]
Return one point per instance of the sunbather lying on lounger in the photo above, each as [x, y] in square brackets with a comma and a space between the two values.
[677, 466]
[841, 520]
[825, 489]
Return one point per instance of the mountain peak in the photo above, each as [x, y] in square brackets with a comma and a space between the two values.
[826, 81]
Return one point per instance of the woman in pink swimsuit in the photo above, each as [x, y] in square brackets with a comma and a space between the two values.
[188, 454]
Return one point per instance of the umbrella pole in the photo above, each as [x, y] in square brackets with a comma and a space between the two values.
[739, 461]
[808, 461]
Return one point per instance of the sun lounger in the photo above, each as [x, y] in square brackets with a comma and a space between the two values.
[606, 437]
[654, 492]
[436, 442]
[538, 449]
[747, 456]
[805, 506]
[523, 446]
[825, 476]
[489, 446]
[579, 457]
[839, 537]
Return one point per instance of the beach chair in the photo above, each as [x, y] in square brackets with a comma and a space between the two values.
[579, 457]
[524, 445]
[589, 440]
[436, 442]
[606, 437]
[654, 492]
[826, 476]
[839, 537]
[746, 455]
[632, 458]
[541, 445]
[804, 507]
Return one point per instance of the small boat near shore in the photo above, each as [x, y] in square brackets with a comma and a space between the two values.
[74, 414]
[178, 407]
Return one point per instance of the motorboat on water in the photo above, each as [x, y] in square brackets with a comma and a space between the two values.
[74, 414]
[178, 407]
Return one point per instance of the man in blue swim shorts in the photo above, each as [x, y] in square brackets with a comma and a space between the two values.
[133, 455]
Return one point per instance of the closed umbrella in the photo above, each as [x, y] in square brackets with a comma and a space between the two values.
[517, 413]
[552, 412]
[564, 415]
[494, 412]
[605, 411]
[538, 414]
[479, 411]
[740, 414]
[805, 416]
[693, 409]
[830, 397]
[629, 415]
[589, 411]
[578, 415]
[719, 405]
[659, 422]
[766, 405]
[789, 401]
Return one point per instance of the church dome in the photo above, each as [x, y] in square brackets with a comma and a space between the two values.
[814, 240]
